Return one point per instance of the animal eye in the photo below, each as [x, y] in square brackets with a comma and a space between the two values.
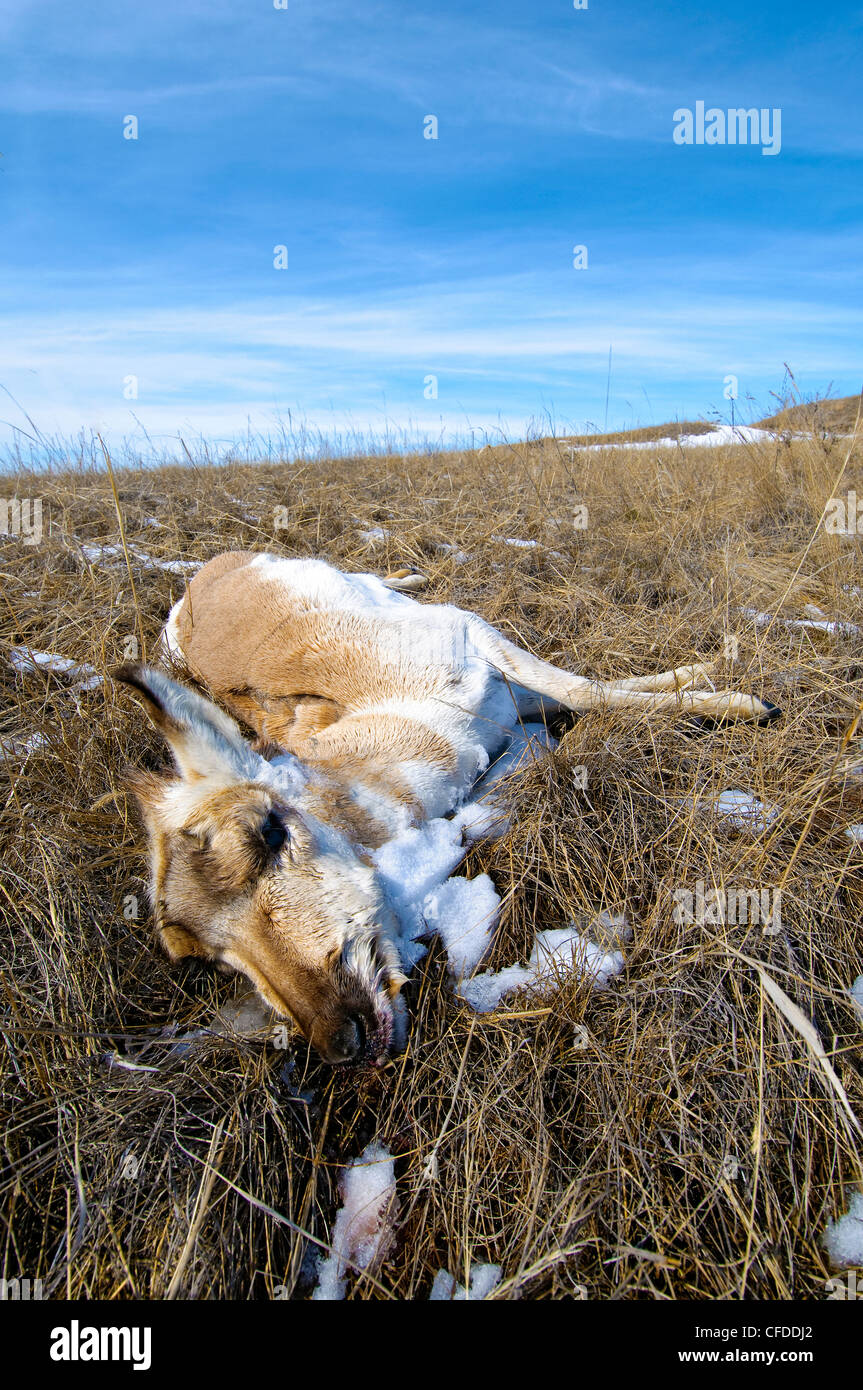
[273, 832]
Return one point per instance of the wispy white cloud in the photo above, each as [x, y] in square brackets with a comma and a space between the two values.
[505, 339]
[512, 76]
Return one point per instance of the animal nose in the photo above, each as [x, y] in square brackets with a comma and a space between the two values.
[348, 1044]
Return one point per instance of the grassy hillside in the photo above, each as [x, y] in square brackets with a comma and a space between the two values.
[688, 1144]
[644, 434]
[821, 416]
[806, 417]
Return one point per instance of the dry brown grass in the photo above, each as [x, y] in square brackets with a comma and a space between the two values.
[819, 416]
[602, 1168]
[643, 433]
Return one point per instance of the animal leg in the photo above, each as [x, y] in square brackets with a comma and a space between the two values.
[405, 581]
[666, 691]
[681, 678]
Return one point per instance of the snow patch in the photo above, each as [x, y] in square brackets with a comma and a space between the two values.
[460, 557]
[363, 1231]
[413, 865]
[26, 661]
[711, 439]
[96, 554]
[822, 624]
[482, 1280]
[482, 820]
[741, 810]
[844, 1238]
[18, 747]
[416, 865]
[556, 954]
[483, 817]
[464, 914]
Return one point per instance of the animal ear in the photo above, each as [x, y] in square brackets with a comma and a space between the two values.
[180, 943]
[205, 743]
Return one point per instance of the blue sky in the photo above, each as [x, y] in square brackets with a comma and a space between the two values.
[407, 257]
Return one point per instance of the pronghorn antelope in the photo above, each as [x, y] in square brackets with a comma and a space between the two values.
[372, 713]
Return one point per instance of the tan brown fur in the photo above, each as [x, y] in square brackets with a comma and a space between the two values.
[241, 638]
[214, 898]
[383, 725]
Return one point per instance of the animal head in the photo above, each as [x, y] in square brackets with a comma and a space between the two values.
[242, 874]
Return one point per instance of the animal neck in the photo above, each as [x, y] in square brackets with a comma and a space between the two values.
[384, 770]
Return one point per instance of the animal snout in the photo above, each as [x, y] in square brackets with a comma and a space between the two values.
[348, 1043]
[359, 1038]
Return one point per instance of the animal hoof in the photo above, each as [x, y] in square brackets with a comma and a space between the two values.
[705, 723]
[771, 712]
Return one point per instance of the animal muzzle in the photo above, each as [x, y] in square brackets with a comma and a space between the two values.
[359, 1039]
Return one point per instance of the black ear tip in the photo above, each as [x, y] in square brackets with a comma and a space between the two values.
[771, 712]
[129, 673]
[134, 675]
